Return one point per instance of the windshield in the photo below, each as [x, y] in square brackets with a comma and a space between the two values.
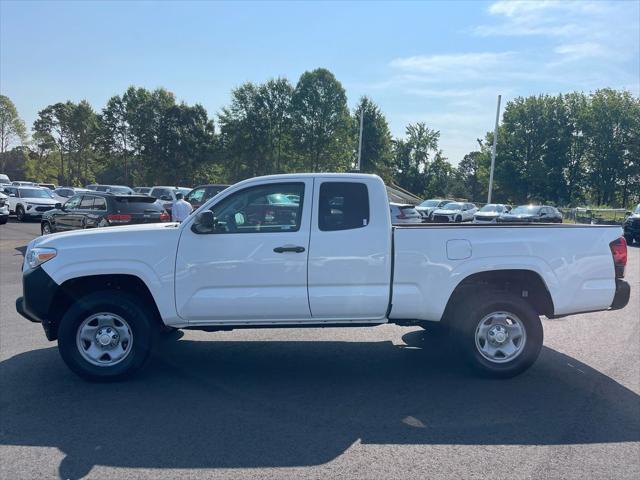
[430, 203]
[116, 189]
[183, 191]
[452, 206]
[492, 208]
[525, 210]
[33, 193]
[637, 210]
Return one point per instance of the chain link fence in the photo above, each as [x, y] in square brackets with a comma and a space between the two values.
[594, 216]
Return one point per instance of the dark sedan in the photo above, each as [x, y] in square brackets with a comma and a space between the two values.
[632, 226]
[531, 214]
[97, 209]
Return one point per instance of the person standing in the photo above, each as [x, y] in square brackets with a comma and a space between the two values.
[181, 209]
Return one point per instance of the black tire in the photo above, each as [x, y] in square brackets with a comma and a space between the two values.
[20, 216]
[4, 219]
[46, 226]
[467, 319]
[142, 328]
[458, 219]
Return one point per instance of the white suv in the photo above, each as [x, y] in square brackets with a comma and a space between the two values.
[4, 209]
[26, 202]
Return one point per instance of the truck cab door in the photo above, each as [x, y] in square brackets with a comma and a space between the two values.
[350, 251]
[252, 265]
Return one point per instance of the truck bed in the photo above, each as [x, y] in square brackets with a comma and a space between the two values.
[573, 261]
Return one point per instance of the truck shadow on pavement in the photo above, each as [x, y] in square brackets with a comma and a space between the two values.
[228, 404]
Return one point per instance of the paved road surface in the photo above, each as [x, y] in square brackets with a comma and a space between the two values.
[375, 403]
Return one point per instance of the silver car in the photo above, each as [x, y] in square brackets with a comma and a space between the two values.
[404, 213]
[490, 213]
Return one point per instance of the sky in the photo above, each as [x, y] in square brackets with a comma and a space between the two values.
[442, 63]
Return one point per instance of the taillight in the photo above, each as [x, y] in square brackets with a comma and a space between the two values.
[118, 218]
[619, 253]
[164, 217]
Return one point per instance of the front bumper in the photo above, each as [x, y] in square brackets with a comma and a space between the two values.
[621, 297]
[39, 291]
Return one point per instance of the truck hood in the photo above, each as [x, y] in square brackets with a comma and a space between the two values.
[106, 235]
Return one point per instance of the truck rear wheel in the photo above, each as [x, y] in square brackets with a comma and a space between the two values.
[499, 333]
[106, 336]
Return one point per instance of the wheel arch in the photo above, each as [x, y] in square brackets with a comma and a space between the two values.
[524, 283]
[75, 288]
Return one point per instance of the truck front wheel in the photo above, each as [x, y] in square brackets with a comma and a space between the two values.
[106, 336]
[499, 333]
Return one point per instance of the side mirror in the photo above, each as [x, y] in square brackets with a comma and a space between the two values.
[205, 222]
[58, 206]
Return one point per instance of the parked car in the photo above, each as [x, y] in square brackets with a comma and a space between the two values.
[29, 202]
[427, 207]
[631, 226]
[455, 212]
[104, 295]
[404, 213]
[4, 179]
[532, 213]
[98, 209]
[62, 194]
[167, 195]
[121, 189]
[490, 213]
[202, 193]
[4, 209]
[23, 183]
[143, 190]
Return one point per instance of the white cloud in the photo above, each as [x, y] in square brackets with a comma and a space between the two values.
[468, 64]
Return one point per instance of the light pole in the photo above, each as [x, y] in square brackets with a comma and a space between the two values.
[493, 150]
[360, 140]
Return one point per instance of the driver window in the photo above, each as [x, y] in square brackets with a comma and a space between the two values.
[265, 208]
[73, 202]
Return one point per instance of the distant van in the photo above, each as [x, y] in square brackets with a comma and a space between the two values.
[4, 179]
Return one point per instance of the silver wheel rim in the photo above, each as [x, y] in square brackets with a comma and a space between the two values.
[46, 230]
[500, 337]
[104, 339]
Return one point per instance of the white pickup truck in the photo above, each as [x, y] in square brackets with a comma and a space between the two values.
[315, 250]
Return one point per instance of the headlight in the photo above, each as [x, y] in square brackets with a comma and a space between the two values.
[37, 256]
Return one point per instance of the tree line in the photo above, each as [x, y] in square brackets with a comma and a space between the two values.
[565, 149]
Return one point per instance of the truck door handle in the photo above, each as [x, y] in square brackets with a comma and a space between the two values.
[289, 248]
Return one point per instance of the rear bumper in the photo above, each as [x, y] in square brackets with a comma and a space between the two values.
[621, 298]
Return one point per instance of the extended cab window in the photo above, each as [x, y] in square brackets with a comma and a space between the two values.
[265, 208]
[343, 206]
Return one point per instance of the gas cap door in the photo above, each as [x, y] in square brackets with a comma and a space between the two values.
[458, 249]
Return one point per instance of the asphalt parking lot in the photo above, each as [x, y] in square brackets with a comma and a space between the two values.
[374, 403]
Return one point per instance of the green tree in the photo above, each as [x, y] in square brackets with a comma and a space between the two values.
[12, 127]
[412, 156]
[321, 122]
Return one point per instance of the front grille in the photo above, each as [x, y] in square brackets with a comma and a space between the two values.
[483, 219]
[441, 219]
[43, 209]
